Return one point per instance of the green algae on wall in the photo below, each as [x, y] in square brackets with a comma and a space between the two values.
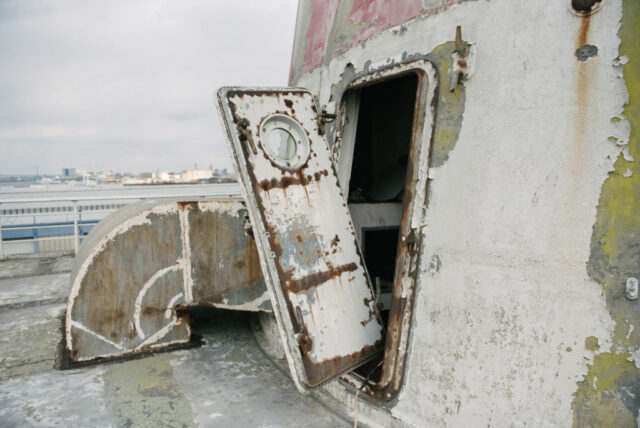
[591, 343]
[609, 395]
[604, 397]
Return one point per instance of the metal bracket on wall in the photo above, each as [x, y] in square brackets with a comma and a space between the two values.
[462, 61]
[323, 118]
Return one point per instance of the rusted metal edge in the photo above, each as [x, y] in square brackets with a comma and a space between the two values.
[233, 92]
[317, 373]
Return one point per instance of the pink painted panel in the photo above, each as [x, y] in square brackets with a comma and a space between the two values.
[380, 15]
[323, 13]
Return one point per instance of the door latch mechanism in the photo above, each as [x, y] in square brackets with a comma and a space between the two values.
[323, 118]
[245, 134]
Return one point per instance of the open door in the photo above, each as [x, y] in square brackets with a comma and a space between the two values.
[319, 287]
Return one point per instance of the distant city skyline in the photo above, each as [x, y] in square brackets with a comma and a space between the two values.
[130, 85]
[39, 171]
[61, 171]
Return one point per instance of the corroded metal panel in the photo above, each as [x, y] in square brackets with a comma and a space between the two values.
[225, 268]
[306, 241]
[146, 262]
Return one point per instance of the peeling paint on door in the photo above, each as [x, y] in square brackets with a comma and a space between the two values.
[320, 290]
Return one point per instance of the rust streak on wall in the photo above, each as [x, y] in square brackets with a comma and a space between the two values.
[318, 278]
[585, 70]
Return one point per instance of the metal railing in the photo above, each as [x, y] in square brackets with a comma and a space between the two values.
[22, 224]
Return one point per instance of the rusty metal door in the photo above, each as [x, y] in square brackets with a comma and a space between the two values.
[319, 287]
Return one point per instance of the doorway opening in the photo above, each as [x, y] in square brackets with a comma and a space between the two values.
[377, 136]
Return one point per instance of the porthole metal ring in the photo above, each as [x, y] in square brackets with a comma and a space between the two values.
[284, 141]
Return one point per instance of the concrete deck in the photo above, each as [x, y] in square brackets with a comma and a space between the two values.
[228, 381]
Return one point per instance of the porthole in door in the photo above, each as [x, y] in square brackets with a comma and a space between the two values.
[284, 142]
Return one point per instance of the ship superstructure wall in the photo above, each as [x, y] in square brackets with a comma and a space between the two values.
[532, 225]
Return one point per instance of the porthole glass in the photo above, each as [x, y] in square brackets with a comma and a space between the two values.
[282, 144]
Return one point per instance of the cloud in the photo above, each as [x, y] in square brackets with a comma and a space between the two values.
[130, 84]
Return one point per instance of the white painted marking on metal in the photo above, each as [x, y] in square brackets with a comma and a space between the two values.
[186, 255]
[147, 285]
[138, 220]
[157, 335]
[172, 303]
[93, 333]
[252, 306]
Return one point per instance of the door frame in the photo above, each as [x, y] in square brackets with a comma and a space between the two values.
[413, 211]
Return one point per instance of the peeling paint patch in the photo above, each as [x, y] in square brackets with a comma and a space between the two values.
[325, 29]
[450, 111]
[379, 15]
[585, 52]
[591, 343]
[615, 243]
[610, 393]
[322, 17]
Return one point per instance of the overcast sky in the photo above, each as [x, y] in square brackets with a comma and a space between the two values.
[130, 84]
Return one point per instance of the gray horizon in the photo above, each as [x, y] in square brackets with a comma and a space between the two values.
[130, 85]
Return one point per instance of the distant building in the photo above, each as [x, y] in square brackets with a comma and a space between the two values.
[167, 177]
[191, 175]
[69, 173]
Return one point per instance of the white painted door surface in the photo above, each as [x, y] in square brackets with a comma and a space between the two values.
[319, 287]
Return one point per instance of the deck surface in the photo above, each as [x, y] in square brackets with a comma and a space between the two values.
[227, 381]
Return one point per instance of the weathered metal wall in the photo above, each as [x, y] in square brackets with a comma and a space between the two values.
[326, 29]
[533, 223]
[144, 263]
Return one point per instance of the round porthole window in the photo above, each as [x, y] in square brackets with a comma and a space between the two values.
[284, 141]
